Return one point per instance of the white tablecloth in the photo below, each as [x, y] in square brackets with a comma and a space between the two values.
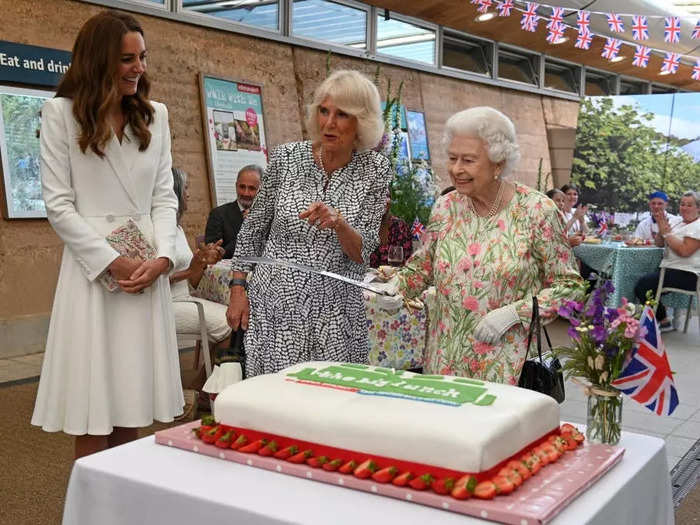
[146, 483]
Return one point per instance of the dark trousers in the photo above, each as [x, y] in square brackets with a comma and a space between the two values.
[672, 279]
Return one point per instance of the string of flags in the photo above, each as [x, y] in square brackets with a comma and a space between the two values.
[617, 22]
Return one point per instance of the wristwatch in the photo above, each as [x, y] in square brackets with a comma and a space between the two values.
[238, 282]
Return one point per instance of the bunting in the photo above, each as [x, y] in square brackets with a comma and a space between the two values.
[696, 70]
[556, 32]
[696, 32]
[557, 17]
[672, 33]
[640, 27]
[615, 23]
[530, 19]
[671, 63]
[583, 21]
[583, 41]
[505, 7]
[641, 56]
[483, 6]
[611, 48]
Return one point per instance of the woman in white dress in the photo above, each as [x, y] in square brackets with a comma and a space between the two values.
[188, 270]
[111, 363]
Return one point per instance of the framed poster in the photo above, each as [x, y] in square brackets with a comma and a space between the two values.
[234, 127]
[418, 135]
[20, 116]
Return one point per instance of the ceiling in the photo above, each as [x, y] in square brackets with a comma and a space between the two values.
[461, 14]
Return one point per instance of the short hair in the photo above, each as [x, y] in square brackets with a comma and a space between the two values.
[551, 193]
[491, 126]
[179, 183]
[356, 95]
[695, 195]
[567, 187]
[250, 167]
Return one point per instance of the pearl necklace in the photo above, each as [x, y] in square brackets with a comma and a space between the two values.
[494, 206]
[320, 159]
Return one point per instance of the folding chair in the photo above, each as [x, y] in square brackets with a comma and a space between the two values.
[696, 293]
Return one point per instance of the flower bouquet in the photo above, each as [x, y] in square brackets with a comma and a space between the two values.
[602, 337]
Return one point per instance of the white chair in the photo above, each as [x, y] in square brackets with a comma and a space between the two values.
[201, 337]
[661, 289]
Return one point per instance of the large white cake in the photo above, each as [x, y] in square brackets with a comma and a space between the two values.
[447, 422]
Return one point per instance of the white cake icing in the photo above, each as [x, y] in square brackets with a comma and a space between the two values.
[437, 431]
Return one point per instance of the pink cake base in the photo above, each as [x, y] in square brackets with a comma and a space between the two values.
[537, 501]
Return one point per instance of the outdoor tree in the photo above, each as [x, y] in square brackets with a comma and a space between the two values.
[620, 158]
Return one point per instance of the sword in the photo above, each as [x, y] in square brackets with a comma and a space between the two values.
[309, 269]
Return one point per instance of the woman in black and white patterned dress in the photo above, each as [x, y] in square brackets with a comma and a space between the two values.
[322, 202]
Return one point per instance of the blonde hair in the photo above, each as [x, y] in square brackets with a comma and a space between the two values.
[356, 95]
[493, 127]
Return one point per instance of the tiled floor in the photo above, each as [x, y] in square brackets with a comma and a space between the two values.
[680, 430]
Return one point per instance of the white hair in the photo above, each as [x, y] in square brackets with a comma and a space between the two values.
[493, 127]
[356, 95]
[695, 195]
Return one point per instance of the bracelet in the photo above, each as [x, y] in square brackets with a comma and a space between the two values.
[340, 218]
[238, 282]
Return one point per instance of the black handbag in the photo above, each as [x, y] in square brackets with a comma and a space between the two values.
[544, 376]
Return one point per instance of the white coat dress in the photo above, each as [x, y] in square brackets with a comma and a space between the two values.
[111, 357]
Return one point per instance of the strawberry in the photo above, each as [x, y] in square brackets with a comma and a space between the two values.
[385, 475]
[532, 462]
[201, 430]
[317, 462]
[365, 469]
[485, 490]
[333, 465]
[521, 468]
[286, 452]
[348, 467]
[552, 453]
[580, 438]
[269, 449]
[567, 428]
[421, 482]
[571, 442]
[443, 485]
[253, 447]
[208, 420]
[402, 479]
[460, 492]
[468, 481]
[241, 440]
[300, 457]
[503, 485]
[512, 475]
[544, 458]
[225, 440]
[211, 435]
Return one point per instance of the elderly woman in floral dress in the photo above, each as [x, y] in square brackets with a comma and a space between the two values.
[489, 247]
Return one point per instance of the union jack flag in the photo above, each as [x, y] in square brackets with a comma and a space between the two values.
[603, 229]
[672, 33]
[696, 70]
[671, 63]
[473, 1]
[611, 48]
[641, 56]
[647, 376]
[640, 27]
[557, 17]
[583, 21]
[555, 33]
[696, 32]
[505, 7]
[483, 6]
[529, 20]
[615, 23]
[584, 39]
[417, 229]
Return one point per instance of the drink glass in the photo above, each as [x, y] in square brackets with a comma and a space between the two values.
[395, 255]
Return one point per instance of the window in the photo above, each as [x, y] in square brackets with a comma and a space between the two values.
[404, 40]
[259, 13]
[632, 87]
[518, 66]
[563, 77]
[656, 89]
[331, 22]
[599, 84]
[466, 54]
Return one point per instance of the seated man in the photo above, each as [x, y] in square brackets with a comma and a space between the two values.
[225, 221]
[648, 227]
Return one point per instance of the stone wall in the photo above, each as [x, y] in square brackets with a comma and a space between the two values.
[30, 252]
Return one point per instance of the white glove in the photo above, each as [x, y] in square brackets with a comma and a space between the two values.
[495, 323]
[394, 300]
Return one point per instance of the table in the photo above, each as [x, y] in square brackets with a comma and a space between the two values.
[625, 265]
[145, 483]
[396, 338]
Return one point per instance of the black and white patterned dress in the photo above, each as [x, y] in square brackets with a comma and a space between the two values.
[297, 316]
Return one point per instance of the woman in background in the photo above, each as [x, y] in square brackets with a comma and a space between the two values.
[393, 231]
[574, 214]
[560, 199]
[111, 363]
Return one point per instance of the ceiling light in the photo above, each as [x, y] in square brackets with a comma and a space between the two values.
[665, 72]
[618, 58]
[485, 17]
[561, 40]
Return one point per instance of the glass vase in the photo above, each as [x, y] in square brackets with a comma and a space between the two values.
[604, 417]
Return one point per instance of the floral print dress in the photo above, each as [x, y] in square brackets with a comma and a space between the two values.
[479, 264]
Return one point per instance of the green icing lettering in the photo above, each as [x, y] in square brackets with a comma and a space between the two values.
[383, 381]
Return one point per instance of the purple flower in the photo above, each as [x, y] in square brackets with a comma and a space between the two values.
[573, 333]
[611, 314]
[599, 334]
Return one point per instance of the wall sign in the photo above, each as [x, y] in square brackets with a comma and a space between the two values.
[234, 126]
[40, 66]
